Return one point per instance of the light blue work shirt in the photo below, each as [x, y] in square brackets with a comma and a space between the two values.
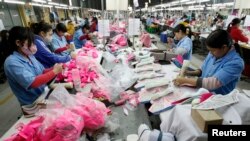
[59, 42]
[187, 44]
[226, 69]
[76, 38]
[21, 73]
[149, 21]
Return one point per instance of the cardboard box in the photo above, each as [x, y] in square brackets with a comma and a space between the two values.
[203, 118]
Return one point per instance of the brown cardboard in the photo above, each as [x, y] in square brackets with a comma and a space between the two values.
[203, 118]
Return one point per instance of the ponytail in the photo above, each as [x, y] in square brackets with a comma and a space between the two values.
[233, 23]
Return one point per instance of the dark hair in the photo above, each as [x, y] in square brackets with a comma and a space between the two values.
[61, 27]
[220, 17]
[22, 34]
[86, 27]
[218, 38]
[69, 21]
[41, 26]
[95, 20]
[184, 29]
[4, 35]
[233, 23]
[180, 27]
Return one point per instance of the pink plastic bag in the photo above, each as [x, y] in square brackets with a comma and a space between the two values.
[146, 40]
[28, 132]
[61, 125]
[93, 112]
[120, 40]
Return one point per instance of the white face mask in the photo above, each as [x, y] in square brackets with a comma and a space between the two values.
[48, 39]
[29, 51]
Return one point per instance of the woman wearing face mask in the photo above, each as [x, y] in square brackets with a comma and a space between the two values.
[185, 44]
[81, 36]
[26, 76]
[222, 67]
[43, 37]
[59, 43]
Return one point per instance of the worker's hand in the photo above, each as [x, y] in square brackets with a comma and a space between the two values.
[170, 41]
[90, 35]
[71, 47]
[179, 81]
[57, 68]
[73, 55]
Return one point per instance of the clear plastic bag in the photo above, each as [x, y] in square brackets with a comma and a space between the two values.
[123, 76]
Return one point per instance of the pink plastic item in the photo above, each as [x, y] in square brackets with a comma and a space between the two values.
[61, 125]
[120, 40]
[93, 112]
[28, 132]
[145, 39]
[205, 96]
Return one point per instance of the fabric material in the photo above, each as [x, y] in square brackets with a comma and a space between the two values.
[43, 79]
[227, 70]
[59, 42]
[45, 56]
[93, 27]
[21, 73]
[76, 38]
[237, 35]
[187, 44]
[211, 83]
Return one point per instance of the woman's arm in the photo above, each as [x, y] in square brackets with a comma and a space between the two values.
[209, 83]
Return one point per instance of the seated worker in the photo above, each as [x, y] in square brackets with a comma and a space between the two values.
[59, 43]
[43, 38]
[235, 32]
[26, 75]
[185, 44]
[221, 69]
[71, 28]
[81, 36]
[220, 23]
[94, 25]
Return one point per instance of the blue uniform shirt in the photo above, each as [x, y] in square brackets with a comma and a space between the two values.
[226, 69]
[59, 42]
[21, 73]
[45, 56]
[77, 41]
[187, 44]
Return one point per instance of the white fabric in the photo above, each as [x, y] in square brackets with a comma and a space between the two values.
[179, 122]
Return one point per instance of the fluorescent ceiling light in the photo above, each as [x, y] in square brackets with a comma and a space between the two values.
[14, 1]
[175, 2]
[40, 5]
[53, 3]
[63, 5]
[191, 2]
[41, 1]
[59, 7]
[70, 2]
[184, 0]
[204, 0]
